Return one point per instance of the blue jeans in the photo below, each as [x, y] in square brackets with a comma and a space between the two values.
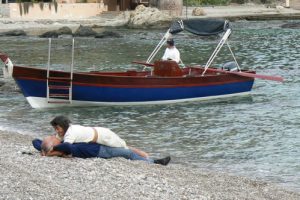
[110, 152]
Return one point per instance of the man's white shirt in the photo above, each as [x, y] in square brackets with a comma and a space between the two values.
[172, 54]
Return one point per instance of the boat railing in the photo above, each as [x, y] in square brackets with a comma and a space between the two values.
[59, 89]
[158, 47]
[223, 40]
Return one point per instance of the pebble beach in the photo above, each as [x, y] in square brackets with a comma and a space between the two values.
[25, 174]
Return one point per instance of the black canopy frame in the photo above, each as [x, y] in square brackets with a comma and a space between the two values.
[201, 27]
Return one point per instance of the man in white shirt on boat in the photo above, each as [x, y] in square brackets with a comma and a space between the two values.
[171, 52]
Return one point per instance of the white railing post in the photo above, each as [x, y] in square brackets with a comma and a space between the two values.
[237, 64]
[158, 47]
[71, 72]
[48, 68]
[216, 51]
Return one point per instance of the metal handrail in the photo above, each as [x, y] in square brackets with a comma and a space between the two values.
[48, 68]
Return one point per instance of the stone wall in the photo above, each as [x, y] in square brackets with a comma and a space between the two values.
[52, 11]
[4, 10]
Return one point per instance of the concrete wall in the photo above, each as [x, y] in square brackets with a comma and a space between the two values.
[4, 10]
[63, 11]
[295, 4]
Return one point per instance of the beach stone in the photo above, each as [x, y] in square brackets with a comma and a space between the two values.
[56, 33]
[144, 17]
[294, 25]
[84, 31]
[108, 34]
[65, 36]
[64, 31]
[32, 176]
[270, 5]
[279, 7]
[49, 34]
[17, 32]
[198, 12]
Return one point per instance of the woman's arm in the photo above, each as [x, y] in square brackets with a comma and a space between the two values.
[63, 149]
[139, 152]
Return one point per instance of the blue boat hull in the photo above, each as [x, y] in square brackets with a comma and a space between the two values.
[89, 95]
[124, 88]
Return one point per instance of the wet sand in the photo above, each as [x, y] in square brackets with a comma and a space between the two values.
[26, 176]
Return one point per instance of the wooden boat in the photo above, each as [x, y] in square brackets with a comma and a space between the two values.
[165, 83]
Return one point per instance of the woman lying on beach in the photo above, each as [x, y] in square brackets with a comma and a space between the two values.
[52, 146]
[69, 133]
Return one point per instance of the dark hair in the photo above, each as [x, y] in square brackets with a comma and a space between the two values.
[170, 42]
[61, 121]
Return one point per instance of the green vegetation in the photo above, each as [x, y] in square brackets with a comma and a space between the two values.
[24, 5]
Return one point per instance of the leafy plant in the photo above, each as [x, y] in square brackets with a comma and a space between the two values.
[25, 4]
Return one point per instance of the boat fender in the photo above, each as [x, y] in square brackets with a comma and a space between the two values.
[230, 66]
[8, 68]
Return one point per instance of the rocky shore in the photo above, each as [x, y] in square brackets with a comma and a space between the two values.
[27, 175]
[149, 18]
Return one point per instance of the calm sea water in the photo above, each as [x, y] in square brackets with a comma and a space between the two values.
[257, 136]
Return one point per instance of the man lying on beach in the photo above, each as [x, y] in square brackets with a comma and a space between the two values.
[52, 146]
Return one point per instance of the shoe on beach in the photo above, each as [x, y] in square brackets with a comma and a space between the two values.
[163, 161]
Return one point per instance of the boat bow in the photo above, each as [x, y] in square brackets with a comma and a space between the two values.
[8, 65]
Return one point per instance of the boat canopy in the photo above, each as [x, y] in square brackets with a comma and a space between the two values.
[202, 27]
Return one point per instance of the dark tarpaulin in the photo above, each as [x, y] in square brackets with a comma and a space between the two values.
[202, 27]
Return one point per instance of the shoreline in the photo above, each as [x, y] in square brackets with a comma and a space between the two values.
[251, 12]
[35, 177]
